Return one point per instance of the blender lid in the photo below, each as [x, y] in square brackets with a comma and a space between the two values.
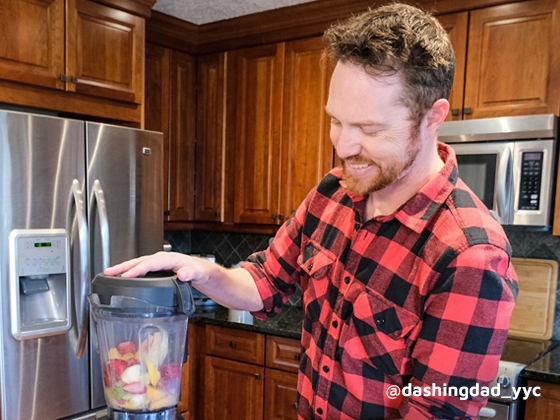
[160, 288]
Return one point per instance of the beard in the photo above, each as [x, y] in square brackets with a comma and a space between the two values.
[387, 172]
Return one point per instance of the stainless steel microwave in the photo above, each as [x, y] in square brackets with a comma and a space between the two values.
[509, 163]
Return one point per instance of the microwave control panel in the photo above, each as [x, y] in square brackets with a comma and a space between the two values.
[531, 179]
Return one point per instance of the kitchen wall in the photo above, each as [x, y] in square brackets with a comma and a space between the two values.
[230, 248]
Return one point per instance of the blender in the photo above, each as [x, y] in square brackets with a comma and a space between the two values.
[141, 326]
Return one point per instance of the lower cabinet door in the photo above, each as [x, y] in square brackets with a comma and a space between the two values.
[280, 399]
[233, 390]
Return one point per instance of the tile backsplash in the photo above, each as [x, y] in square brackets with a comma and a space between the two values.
[230, 248]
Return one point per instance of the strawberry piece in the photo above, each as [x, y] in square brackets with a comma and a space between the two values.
[135, 388]
[171, 372]
[132, 362]
[126, 347]
[113, 371]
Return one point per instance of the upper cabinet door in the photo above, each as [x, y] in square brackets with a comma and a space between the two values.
[258, 133]
[32, 42]
[456, 25]
[105, 51]
[308, 151]
[513, 60]
[210, 138]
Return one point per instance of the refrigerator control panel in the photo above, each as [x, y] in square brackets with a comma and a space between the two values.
[40, 293]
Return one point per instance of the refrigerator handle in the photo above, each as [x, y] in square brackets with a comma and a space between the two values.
[81, 283]
[98, 197]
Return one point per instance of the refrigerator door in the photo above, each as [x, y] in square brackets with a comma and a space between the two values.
[125, 179]
[41, 178]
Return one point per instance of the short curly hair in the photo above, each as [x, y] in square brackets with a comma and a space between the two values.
[398, 39]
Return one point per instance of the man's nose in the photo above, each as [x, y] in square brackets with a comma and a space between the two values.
[346, 144]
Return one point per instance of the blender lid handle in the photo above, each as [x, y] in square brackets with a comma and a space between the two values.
[185, 301]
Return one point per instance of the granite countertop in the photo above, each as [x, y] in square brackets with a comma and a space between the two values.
[286, 324]
[547, 367]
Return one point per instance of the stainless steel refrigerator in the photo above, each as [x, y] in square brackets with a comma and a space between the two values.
[75, 197]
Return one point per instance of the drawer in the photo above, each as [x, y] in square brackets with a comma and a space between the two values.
[283, 353]
[231, 343]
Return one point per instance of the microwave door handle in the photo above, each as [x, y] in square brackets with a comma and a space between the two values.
[98, 196]
[504, 181]
[82, 282]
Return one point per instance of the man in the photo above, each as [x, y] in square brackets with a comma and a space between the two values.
[406, 277]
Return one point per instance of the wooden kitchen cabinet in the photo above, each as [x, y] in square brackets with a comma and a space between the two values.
[545, 407]
[260, 77]
[170, 108]
[210, 138]
[248, 379]
[512, 60]
[75, 46]
[282, 131]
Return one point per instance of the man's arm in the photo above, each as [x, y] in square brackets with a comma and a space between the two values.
[233, 288]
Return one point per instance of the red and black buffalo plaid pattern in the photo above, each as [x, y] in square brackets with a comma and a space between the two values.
[423, 296]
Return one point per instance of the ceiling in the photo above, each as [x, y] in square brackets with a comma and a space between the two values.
[200, 12]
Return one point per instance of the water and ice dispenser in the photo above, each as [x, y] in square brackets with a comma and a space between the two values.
[40, 293]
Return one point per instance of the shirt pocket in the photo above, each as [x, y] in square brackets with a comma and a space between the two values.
[315, 261]
[377, 332]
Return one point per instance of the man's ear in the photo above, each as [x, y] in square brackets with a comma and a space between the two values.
[436, 115]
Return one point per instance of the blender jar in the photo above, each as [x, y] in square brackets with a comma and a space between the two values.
[141, 329]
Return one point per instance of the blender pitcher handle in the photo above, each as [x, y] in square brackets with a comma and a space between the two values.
[83, 281]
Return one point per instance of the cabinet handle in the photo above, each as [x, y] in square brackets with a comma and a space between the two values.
[273, 216]
[257, 376]
[455, 112]
[62, 78]
[297, 356]
[467, 111]
[74, 80]
[280, 217]
[232, 344]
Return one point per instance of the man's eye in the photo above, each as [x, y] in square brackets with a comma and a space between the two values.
[334, 122]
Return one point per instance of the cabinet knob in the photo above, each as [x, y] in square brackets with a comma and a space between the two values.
[294, 406]
[467, 111]
[257, 376]
[455, 112]
[217, 214]
[62, 78]
[232, 344]
[280, 217]
[74, 80]
[273, 216]
[297, 356]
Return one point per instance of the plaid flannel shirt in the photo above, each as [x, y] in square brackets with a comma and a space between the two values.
[422, 296]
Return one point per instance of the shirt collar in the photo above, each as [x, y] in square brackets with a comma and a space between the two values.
[417, 212]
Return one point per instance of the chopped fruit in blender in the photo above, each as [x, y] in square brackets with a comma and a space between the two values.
[131, 374]
[153, 374]
[128, 356]
[135, 388]
[126, 347]
[171, 371]
[113, 371]
[132, 362]
[114, 353]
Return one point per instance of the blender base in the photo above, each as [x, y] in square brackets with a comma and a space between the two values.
[169, 414]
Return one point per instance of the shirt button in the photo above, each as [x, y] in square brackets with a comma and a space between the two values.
[310, 267]
[347, 280]
[325, 369]
[319, 411]
[335, 324]
[357, 226]
[380, 321]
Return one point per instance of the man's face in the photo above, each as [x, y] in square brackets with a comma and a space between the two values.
[370, 128]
